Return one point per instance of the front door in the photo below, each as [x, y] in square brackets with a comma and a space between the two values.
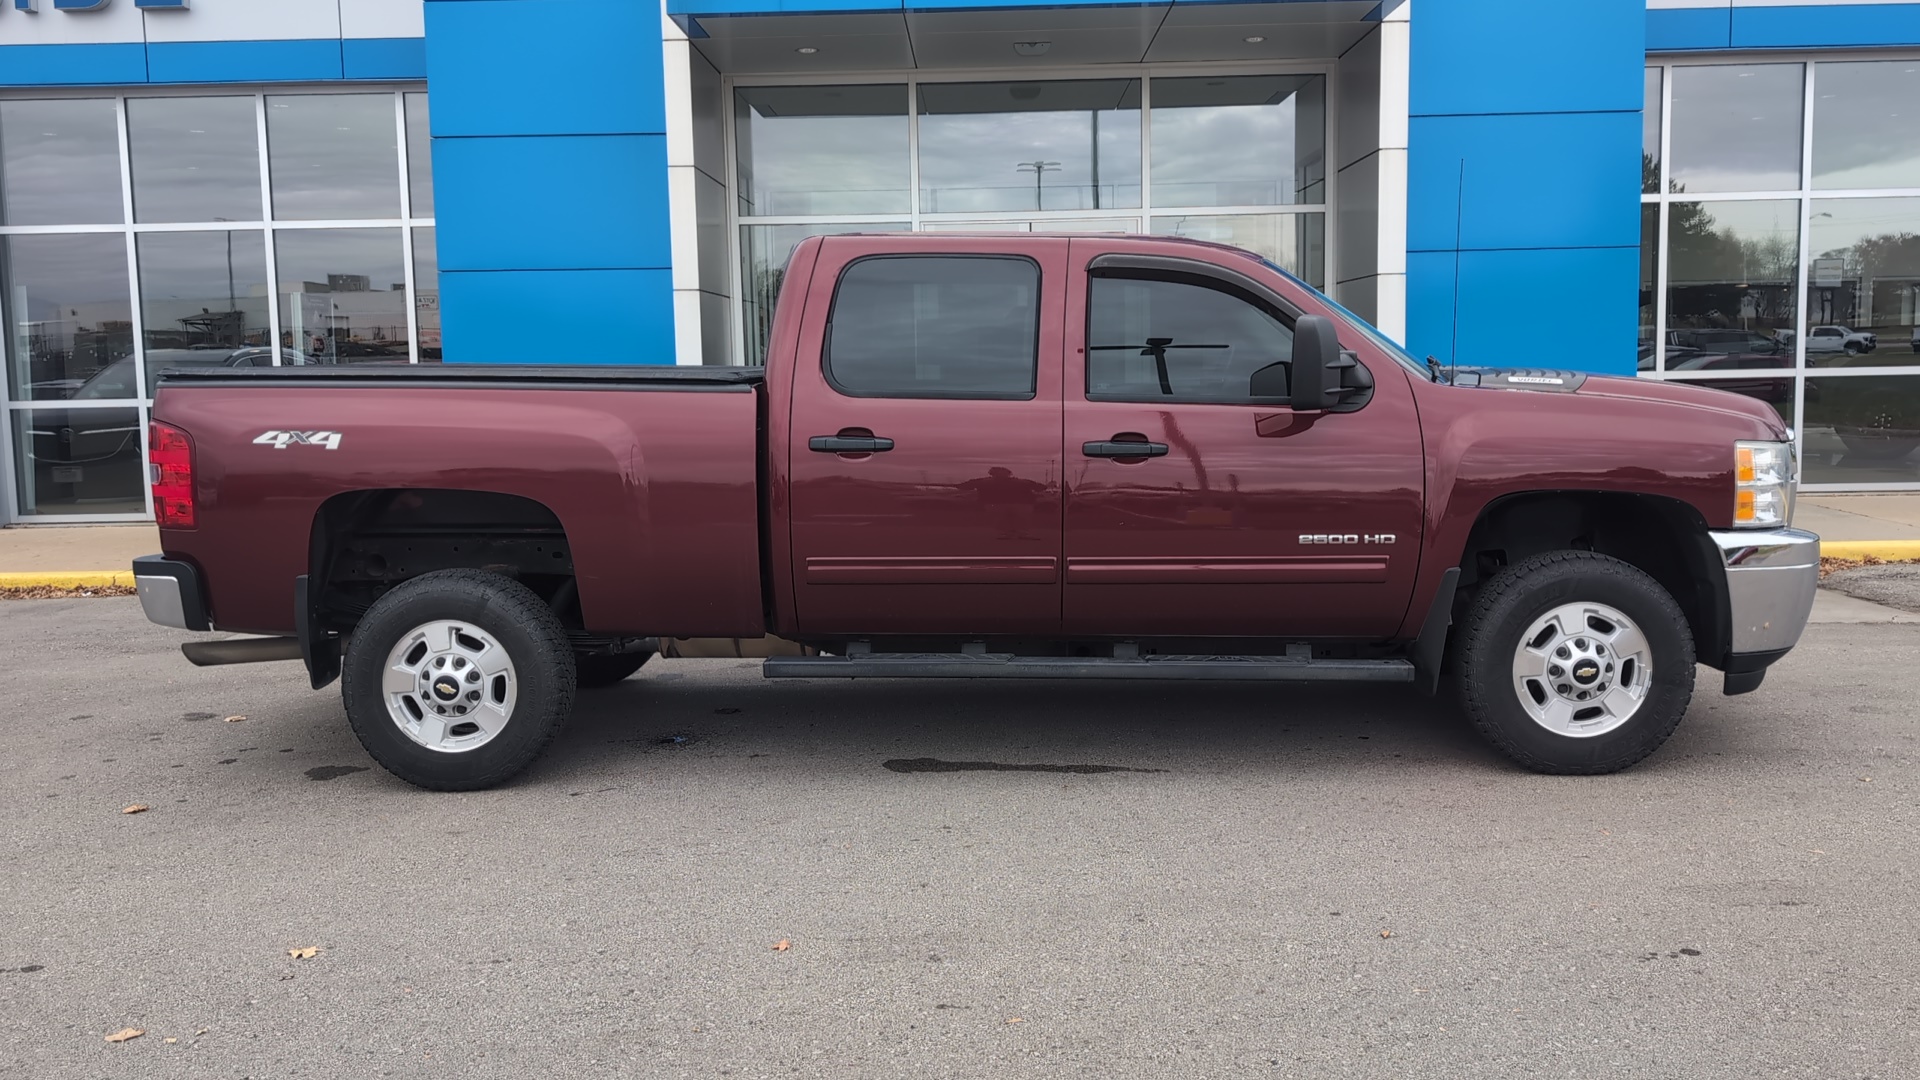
[925, 439]
[1235, 518]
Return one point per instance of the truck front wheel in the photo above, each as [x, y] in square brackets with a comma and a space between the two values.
[457, 680]
[1573, 662]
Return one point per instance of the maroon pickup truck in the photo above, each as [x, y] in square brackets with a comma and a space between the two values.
[987, 457]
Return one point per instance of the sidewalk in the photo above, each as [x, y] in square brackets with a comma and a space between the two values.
[77, 556]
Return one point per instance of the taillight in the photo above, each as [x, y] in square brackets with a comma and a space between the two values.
[170, 470]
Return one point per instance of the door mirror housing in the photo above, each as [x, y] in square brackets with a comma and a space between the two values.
[1316, 351]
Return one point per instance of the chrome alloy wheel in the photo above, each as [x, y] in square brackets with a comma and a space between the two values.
[1582, 669]
[450, 686]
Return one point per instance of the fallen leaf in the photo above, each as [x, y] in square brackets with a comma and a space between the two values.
[235, 719]
[1386, 933]
[782, 945]
[124, 1034]
[1866, 779]
[170, 1040]
[305, 953]
[1016, 1019]
[202, 1031]
[137, 808]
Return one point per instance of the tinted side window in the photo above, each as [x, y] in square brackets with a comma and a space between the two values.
[935, 326]
[1151, 339]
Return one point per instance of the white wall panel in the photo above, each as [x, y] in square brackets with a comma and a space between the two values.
[1357, 81]
[117, 24]
[381, 18]
[249, 20]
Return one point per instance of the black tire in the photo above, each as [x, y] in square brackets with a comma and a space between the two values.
[608, 669]
[1509, 604]
[500, 608]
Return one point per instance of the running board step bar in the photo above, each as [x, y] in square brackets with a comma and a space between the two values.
[1009, 666]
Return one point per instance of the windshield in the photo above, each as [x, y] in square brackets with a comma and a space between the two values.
[1358, 324]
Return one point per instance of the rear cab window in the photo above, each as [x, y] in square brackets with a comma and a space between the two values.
[935, 326]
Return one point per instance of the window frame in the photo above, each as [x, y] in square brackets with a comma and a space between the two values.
[833, 309]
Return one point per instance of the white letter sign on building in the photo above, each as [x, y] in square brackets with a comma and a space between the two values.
[96, 5]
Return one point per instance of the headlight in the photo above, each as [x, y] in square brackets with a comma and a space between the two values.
[1763, 484]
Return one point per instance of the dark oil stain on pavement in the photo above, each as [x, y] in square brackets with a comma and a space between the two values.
[330, 772]
[28, 970]
[196, 716]
[927, 764]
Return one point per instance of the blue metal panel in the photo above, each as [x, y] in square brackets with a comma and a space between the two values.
[1828, 25]
[1504, 56]
[304, 60]
[1571, 180]
[384, 58]
[1568, 308]
[72, 65]
[557, 316]
[1689, 28]
[545, 67]
[698, 8]
[568, 202]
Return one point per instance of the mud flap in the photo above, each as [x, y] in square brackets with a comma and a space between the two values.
[318, 649]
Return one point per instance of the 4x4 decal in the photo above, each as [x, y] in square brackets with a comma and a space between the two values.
[280, 440]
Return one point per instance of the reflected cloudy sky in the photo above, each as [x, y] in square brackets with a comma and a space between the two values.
[1736, 127]
[1864, 135]
[333, 156]
[59, 163]
[1256, 140]
[186, 274]
[194, 159]
[974, 138]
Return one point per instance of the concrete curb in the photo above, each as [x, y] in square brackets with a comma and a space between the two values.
[65, 579]
[1885, 550]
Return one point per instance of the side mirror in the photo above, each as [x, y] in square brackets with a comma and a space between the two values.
[1316, 350]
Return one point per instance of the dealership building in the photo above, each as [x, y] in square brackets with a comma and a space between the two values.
[1720, 191]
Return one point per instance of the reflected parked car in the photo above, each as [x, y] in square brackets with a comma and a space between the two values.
[1777, 391]
[1834, 340]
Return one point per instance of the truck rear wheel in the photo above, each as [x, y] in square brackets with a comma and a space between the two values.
[458, 679]
[1575, 663]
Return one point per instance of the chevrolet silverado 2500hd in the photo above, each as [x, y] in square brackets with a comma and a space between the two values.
[987, 457]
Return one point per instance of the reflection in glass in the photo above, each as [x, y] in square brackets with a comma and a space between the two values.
[1649, 283]
[1239, 140]
[932, 326]
[1154, 340]
[822, 149]
[60, 163]
[1650, 134]
[333, 156]
[989, 146]
[1863, 285]
[1862, 430]
[1732, 278]
[764, 252]
[1736, 127]
[343, 295]
[419, 157]
[194, 159]
[1297, 243]
[1057, 225]
[202, 290]
[78, 460]
[69, 315]
[1861, 135]
[426, 293]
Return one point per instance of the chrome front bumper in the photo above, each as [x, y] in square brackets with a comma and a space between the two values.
[1771, 578]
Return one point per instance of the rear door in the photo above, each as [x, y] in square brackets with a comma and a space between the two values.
[925, 460]
[1238, 518]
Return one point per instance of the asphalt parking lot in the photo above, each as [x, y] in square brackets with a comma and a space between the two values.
[1256, 881]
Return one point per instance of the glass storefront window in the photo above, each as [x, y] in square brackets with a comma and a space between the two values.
[203, 290]
[1861, 135]
[822, 149]
[426, 293]
[60, 163]
[1012, 146]
[1736, 127]
[1650, 134]
[1245, 140]
[1295, 242]
[69, 315]
[1060, 225]
[1649, 285]
[333, 156]
[79, 460]
[764, 253]
[343, 296]
[1862, 430]
[419, 157]
[194, 159]
[1732, 279]
[1863, 284]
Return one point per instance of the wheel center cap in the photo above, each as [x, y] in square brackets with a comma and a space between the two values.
[446, 688]
[1585, 671]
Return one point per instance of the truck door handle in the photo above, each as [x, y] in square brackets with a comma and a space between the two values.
[849, 444]
[1113, 449]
